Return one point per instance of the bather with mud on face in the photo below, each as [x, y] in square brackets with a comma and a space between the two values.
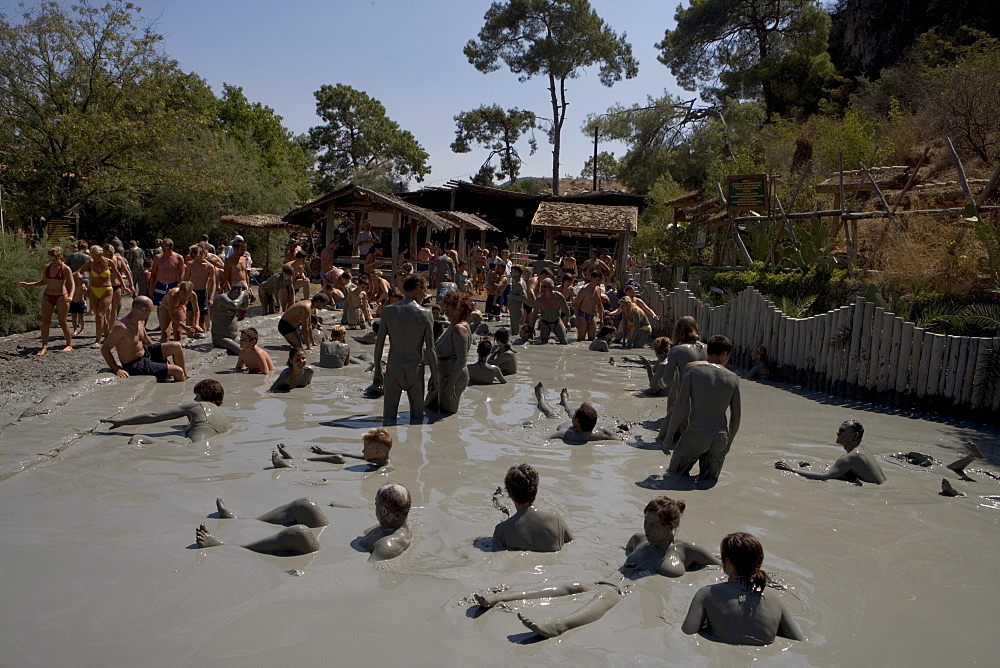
[858, 465]
[655, 551]
[392, 536]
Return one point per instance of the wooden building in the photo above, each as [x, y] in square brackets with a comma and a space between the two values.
[570, 220]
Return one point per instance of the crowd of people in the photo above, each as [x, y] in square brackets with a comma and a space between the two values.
[428, 320]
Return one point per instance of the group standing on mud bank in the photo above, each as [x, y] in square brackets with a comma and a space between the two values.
[428, 321]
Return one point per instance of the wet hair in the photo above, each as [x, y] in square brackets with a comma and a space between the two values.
[293, 353]
[718, 345]
[854, 425]
[661, 345]
[147, 263]
[746, 554]
[521, 482]
[604, 331]
[502, 336]
[463, 308]
[484, 348]
[166, 242]
[527, 331]
[109, 248]
[338, 333]
[56, 252]
[595, 274]
[185, 288]
[395, 501]
[667, 511]
[320, 298]
[413, 282]
[379, 437]
[252, 333]
[586, 417]
[686, 330]
[210, 390]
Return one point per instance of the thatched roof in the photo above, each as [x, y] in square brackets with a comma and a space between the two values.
[887, 178]
[469, 219]
[261, 221]
[586, 217]
[356, 198]
[686, 198]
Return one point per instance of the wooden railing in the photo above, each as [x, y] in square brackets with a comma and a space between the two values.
[859, 351]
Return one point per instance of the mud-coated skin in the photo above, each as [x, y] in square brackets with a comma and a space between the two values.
[410, 327]
[677, 360]
[707, 391]
[205, 420]
[225, 308]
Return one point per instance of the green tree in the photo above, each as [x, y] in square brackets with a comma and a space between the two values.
[555, 39]
[771, 50]
[360, 144]
[87, 103]
[607, 167]
[499, 131]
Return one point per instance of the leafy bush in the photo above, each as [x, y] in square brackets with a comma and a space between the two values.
[19, 306]
[830, 288]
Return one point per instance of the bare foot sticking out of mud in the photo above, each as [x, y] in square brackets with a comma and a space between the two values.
[278, 462]
[284, 453]
[223, 511]
[205, 539]
[546, 628]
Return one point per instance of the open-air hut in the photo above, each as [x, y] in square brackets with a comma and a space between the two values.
[588, 220]
[263, 221]
[364, 205]
[466, 221]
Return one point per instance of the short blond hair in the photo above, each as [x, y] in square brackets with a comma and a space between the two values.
[379, 437]
[339, 333]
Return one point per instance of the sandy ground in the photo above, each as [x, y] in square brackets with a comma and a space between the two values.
[97, 539]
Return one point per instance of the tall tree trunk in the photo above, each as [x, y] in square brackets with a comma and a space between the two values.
[556, 132]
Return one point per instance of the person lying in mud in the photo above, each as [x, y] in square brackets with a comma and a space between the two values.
[482, 372]
[583, 422]
[298, 373]
[376, 444]
[392, 536]
[528, 528]
[602, 343]
[738, 611]
[655, 551]
[205, 420]
[858, 465]
[298, 517]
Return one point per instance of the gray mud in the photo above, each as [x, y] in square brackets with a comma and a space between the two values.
[97, 544]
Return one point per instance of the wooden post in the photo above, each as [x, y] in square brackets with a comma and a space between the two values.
[889, 212]
[915, 351]
[887, 376]
[843, 221]
[877, 338]
[395, 241]
[965, 395]
[413, 240]
[937, 364]
[624, 243]
[925, 364]
[461, 243]
[856, 327]
[962, 359]
[903, 363]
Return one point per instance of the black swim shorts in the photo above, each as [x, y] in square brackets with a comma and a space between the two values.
[151, 363]
[285, 328]
[78, 308]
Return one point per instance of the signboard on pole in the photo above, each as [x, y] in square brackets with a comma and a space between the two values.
[747, 191]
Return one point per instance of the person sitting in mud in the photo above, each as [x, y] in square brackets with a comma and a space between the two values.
[502, 355]
[659, 384]
[551, 311]
[392, 536]
[253, 358]
[738, 611]
[298, 517]
[295, 323]
[482, 372]
[761, 368]
[336, 353]
[298, 373]
[602, 343]
[225, 314]
[528, 528]
[204, 418]
[858, 465]
[375, 446]
[655, 551]
[527, 333]
[138, 354]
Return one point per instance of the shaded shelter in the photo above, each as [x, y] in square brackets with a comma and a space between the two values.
[263, 221]
[588, 220]
[364, 205]
[466, 221]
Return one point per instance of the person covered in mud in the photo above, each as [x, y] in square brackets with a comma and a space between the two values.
[857, 465]
[582, 426]
[481, 372]
[253, 358]
[225, 314]
[205, 420]
[528, 528]
[657, 373]
[138, 354]
[411, 329]
[551, 311]
[392, 536]
[602, 343]
[298, 517]
[707, 391]
[297, 374]
[375, 446]
[738, 611]
[687, 347]
[502, 355]
[654, 551]
[336, 353]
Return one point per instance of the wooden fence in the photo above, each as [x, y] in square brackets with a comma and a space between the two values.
[859, 351]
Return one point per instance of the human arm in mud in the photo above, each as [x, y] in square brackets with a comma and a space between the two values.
[183, 410]
[678, 414]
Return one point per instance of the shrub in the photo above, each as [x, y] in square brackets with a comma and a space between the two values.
[830, 287]
[19, 306]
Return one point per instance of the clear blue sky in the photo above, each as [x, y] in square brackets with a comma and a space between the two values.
[405, 53]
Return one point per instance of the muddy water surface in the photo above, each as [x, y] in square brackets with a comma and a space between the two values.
[100, 567]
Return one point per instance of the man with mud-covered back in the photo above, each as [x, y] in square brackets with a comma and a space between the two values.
[410, 327]
[529, 528]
